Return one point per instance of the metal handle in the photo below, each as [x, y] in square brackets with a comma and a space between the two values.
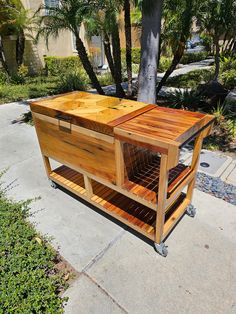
[67, 119]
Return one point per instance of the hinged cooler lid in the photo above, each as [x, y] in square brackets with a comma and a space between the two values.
[92, 111]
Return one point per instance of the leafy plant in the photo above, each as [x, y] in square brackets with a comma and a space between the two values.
[186, 99]
[29, 281]
[191, 79]
[73, 80]
[229, 79]
[4, 77]
[223, 133]
[57, 65]
[193, 57]
[227, 63]
[207, 42]
[23, 71]
[164, 63]
[106, 79]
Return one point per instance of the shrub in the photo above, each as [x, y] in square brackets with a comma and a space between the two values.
[57, 65]
[207, 42]
[73, 80]
[23, 71]
[186, 99]
[191, 79]
[136, 53]
[222, 135]
[29, 281]
[4, 77]
[227, 63]
[193, 57]
[229, 78]
[106, 79]
[164, 63]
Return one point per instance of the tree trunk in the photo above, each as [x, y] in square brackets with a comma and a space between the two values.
[177, 57]
[20, 48]
[87, 65]
[107, 49]
[128, 44]
[2, 57]
[151, 29]
[115, 38]
[185, 32]
[217, 59]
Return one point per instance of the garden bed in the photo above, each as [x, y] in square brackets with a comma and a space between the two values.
[32, 273]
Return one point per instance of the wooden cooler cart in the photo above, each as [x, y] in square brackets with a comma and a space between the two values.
[123, 157]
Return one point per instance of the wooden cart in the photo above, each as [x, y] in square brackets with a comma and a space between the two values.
[123, 157]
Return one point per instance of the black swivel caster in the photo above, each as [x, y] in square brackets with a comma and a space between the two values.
[191, 211]
[53, 184]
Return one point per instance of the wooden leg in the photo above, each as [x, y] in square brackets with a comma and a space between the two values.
[194, 165]
[120, 165]
[88, 186]
[47, 165]
[162, 194]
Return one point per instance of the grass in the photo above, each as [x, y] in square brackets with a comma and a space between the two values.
[30, 282]
[32, 88]
[191, 79]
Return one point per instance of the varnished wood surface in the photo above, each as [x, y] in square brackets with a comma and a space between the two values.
[92, 111]
[134, 214]
[90, 153]
[163, 126]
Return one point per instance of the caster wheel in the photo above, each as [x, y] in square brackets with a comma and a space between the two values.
[53, 184]
[161, 249]
[191, 211]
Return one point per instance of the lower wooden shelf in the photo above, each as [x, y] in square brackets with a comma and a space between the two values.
[143, 180]
[133, 214]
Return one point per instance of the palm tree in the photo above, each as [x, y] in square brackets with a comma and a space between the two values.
[178, 21]
[128, 42]
[151, 30]
[218, 18]
[68, 16]
[16, 20]
[105, 22]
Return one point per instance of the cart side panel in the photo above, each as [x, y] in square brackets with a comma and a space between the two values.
[92, 154]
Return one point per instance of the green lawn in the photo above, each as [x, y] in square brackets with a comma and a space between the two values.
[29, 280]
[32, 88]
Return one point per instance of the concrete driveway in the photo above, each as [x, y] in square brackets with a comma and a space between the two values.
[119, 272]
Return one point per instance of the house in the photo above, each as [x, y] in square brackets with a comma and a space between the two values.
[62, 46]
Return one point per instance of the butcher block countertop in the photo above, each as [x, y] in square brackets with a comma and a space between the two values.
[132, 120]
[92, 111]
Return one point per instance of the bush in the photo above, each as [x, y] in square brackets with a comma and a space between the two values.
[164, 63]
[191, 79]
[73, 80]
[29, 281]
[229, 79]
[207, 42]
[4, 77]
[136, 53]
[187, 99]
[106, 79]
[193, 57]
[57, 65]
[222, 135]
[227, 63]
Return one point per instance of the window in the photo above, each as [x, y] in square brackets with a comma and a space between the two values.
[51, 4]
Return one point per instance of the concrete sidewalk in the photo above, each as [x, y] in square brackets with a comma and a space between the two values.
[119, 272]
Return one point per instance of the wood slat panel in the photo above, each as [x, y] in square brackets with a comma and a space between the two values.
[163, 125]
[134, 214]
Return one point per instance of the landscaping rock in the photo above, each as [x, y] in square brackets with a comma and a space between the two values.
[230, 101]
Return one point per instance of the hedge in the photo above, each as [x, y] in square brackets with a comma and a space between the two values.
[58, 65]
